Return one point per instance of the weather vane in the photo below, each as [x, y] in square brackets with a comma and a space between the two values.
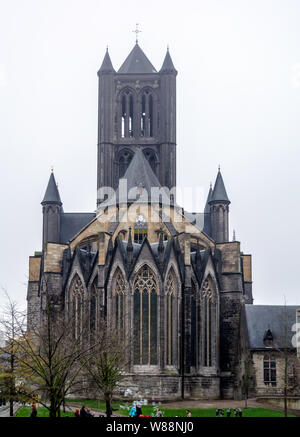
[137, 31]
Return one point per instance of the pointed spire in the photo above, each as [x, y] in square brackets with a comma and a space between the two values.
[106, 66]
[52, 193]
[161, 247]
[129, 249]
[233, 235]
[219, 193]
[110, 246]
[198, 256]
[168, 66]
[209, 196]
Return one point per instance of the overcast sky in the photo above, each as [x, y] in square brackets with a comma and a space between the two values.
[238, 102]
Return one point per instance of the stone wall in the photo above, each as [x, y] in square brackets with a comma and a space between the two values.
[293, 373]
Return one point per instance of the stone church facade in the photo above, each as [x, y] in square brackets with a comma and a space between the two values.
[167, 280]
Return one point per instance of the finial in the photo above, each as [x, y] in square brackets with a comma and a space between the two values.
[167, 47]
[52, 169]
[137, 31]
[219, 168]
[107, 48]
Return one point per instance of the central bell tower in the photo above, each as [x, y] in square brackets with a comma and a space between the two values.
[136, 110]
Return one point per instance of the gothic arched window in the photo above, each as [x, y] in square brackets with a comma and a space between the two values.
[127, 114]
[125, 157]
[208, 311]
[119, 303]
[145, 317]
[151, 158]
[93, 308]
[194, 319]
[171, 318]
[76, 300]
[147, 114]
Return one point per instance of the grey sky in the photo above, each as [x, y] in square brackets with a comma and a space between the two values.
[238, 101]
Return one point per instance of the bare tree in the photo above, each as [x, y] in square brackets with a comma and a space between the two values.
[55, 357]
[288, 359]
[106, 366]
[247, 379]
[12, 323]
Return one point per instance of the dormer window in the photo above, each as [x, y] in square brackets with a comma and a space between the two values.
[268, 338]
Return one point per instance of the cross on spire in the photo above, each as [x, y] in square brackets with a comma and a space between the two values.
[137, 31]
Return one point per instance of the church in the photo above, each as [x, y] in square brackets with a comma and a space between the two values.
[169, 281]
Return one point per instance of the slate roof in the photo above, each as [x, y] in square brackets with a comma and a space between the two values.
[136, 62]
[72, 222]
[106, 66]
[260, 318]
[196, 218]
[219, 191]
[52, 194]
[140, 179]
[207, 223]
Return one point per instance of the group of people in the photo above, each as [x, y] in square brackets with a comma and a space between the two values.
[136, 411]
[237, 412]
[83, 412]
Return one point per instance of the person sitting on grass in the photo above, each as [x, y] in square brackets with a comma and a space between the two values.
[138, 411]
[77, 413]
[159, 413]
[83, 412]
[228, 412]
[188, 413]
[88, 413]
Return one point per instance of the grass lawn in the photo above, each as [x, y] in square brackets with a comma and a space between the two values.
[168, 412]
[41, 412]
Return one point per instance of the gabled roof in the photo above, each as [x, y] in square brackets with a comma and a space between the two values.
[140, 174]
[52, 194]
[136, 62]
[168, 66]
[219, 192]
[106, 66]
[276, 318]
[140, 179]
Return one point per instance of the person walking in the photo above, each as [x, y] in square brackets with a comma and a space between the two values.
[33, 411]
[132, 412]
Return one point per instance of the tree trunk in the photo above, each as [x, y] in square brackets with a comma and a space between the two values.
[108, 406]
[246, 401]
[11, 407]
[285, 402]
